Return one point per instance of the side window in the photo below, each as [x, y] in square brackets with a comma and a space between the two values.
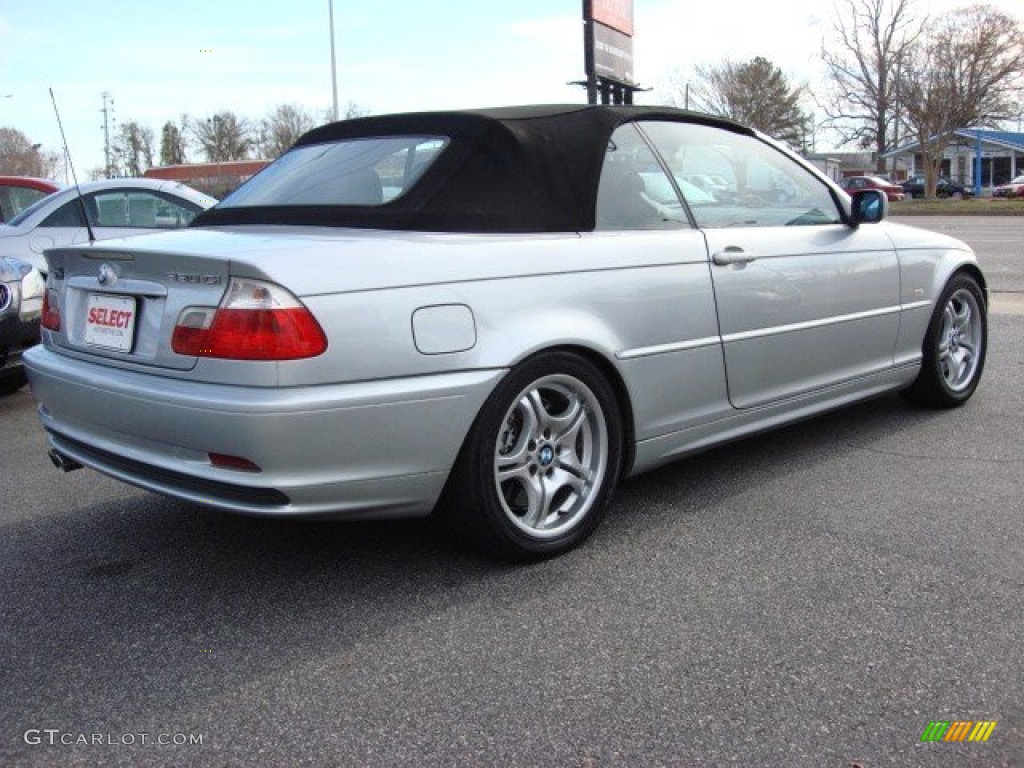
[132, 208]
[634, 191]
[758, 186]
[68, 215]
[400, 170]
[150, 210]
[111, 209]
[6, 204]
[13, 200]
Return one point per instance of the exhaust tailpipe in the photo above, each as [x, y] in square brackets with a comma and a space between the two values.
[62, 462]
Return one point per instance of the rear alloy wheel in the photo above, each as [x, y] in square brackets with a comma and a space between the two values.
[541, 461]
[954, 347]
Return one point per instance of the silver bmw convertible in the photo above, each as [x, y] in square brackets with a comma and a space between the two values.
[493, 316]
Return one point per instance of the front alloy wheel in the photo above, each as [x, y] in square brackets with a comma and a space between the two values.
[953, 354]
[960, 340]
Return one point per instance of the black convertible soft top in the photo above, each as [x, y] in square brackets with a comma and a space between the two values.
[506, 170]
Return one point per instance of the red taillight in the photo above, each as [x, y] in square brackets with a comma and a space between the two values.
[51, 311]
[255, 321]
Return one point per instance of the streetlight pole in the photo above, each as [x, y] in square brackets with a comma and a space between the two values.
[334, 65]
[107, 119]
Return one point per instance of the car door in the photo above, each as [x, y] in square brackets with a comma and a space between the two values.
[662, 306]
[805, 302]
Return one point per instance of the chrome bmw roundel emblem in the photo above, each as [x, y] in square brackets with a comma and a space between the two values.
[107, 275]
[546, 455]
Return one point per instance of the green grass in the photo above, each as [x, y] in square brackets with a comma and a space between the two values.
[968, 207]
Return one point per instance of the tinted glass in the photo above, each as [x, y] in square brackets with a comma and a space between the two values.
[634, 191]
[139, 209]
[37, 205]
[762, 186]
[13, 200]
[131, 208]
[364, 172]
[68, 215]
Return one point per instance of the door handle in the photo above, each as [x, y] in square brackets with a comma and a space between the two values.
[732, 255]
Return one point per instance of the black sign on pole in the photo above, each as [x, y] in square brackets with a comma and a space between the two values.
[608, 51]
[613, 54]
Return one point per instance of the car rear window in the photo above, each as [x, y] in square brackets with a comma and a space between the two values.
[360, 172]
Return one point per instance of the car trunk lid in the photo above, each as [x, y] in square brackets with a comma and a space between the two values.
[122, 305]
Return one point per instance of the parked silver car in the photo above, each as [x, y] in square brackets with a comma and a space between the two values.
[115, 207]
[21, 302]
[495, 315]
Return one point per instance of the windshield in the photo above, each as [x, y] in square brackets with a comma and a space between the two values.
[360, 172]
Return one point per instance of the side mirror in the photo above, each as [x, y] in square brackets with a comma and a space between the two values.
[869, 206]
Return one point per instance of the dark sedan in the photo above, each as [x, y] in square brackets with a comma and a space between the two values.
[915, 187]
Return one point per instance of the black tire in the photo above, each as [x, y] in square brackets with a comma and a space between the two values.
[540, 463]
[954, 347]
[12, 383]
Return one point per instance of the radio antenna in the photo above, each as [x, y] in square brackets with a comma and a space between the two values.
[74, 176]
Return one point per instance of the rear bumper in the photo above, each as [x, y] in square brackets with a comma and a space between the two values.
[363, 450]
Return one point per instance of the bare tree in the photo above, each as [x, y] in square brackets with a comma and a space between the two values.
[965, 73]
[20, 157]
[133, 149]
[222, 137]
[282, 128]
[755, 93]
[871, 40]
[353, 110]
[172, 144]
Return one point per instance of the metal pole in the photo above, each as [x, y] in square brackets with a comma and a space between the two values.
[589, 68]
[977, 162]
[108, 171]
[334, 64]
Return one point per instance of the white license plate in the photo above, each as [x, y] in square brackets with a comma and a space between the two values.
[110, 322]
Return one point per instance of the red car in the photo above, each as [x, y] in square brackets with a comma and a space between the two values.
[19, 192]
[1014, 188]
[893, 192]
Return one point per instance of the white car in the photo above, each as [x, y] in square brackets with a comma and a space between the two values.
[116, 208]
[21, 305]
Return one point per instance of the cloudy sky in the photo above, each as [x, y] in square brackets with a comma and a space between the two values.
[162, 60]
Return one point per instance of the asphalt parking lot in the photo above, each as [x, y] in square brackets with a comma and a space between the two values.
[812, 597]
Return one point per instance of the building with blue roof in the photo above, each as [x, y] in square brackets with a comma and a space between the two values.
[974, 157]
